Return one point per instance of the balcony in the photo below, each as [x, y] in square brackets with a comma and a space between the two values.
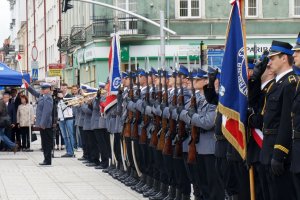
[78, 35]
[130, 26]
[63, 43]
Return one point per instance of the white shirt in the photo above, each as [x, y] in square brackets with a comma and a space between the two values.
[279, 76]
[264, 84]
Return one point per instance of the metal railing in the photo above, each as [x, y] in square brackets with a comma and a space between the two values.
[78, 35]
[63, 43]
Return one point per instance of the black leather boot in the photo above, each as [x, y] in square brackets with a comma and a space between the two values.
[178, 194]
[163, 193]
[140, 184]
[154, 190]
[147, 186]
[171, 194]
[185, 197]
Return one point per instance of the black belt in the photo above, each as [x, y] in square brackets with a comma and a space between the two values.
[220, 137]
[296, 134]
[270, 131]
[68, 118]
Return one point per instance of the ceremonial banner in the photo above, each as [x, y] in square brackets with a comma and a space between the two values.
[233, 90]
[114, 63]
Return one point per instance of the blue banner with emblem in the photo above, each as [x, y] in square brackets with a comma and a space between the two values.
[233, 90]
[114, 65]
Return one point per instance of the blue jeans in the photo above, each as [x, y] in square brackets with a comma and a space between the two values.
[6, 140]
[67, 131]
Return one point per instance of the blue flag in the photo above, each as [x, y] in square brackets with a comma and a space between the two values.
[233, 90]
[114, 65]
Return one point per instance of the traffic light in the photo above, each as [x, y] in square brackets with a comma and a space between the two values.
[66, 5]
[203, 54]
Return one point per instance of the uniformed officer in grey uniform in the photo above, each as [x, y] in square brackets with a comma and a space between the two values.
[99, 126]
[183, 186]
[140, 149]
[121, 117]
[92, 150]
[44, 118]
[150, 171]
[203, 172]
[168, 159]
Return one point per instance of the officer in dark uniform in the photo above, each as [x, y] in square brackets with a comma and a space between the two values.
[277, 123]
[295, 167]
[44, 118]
[259, 84]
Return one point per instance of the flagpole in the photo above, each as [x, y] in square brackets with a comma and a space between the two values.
[251, 170]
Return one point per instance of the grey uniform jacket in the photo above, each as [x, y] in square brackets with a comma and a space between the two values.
[98, 120]
[205, 120]
[122, 116]
[44, 109]
[77, 111]
[111, 119]
[81, 116]
[87, 117]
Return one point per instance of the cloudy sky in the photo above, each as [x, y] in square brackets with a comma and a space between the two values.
[4, 20]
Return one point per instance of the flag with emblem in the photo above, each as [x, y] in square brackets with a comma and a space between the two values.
[233, 90]
[114, 80]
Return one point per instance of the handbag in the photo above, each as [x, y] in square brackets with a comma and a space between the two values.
[33, 137]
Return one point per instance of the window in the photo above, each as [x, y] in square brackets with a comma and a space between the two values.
[127, 24]
[251, 8]
[297, 7]
[188, 8]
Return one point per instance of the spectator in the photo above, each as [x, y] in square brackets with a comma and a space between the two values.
[3, 115]
[66, 121]
[25, 119]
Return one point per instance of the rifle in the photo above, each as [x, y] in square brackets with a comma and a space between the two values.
[181, 125]
[154, 136]
[135, 131]
[161, 142]
[192, 153]
[168, 150]
[146, 120]
[127, 126]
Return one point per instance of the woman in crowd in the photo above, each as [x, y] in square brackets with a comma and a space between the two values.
[25, 119]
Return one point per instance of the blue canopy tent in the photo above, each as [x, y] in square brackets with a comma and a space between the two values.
[9, 77]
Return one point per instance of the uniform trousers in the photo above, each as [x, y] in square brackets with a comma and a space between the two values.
[155, 164]
[296, 181]
[150, 160]
[47, 144]
[129, 154]
[84, 142]
[159, 162]
[117, 147]
[93, 148]
[182, 179]
[169, 168]
[144, 157]
[102, 145]
[203, 173]
[280, 187]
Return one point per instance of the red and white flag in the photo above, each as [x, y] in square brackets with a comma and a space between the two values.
[114, 62]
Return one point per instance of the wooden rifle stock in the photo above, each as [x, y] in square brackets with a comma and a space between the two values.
[192, 152]
[181, 132]
[154, 136]
[168, 149]
[127, 128]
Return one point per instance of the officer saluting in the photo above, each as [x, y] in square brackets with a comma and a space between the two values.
[295, 167]
[44, 118]
[277, 126]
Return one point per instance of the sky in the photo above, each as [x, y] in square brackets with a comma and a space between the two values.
[5, 20]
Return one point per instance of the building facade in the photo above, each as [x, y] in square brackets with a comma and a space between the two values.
[86, 36]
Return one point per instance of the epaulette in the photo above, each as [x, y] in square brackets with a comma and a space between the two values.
[293, 79]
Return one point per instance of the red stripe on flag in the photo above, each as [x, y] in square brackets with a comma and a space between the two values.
[233, 128]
